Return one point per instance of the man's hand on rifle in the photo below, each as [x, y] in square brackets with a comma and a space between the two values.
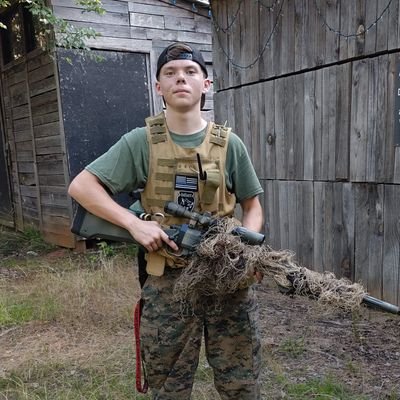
[150, 235]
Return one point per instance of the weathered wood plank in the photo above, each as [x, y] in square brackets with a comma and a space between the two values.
[50, 168]
[310, 20]
[276, 41]
[234, 42]
[256, 130]
[158, 9]
[43, 99]
[283, 200]
[23, 140]
[74, 14]
[328, 134]
[293, 216]
[52, 180]
[318, 125]
[298, 127]
[299, 30]
[55, 211]
[290, 152]
[220, 45]
[108, 5]
[135, 45]
[267, 123]
[319, 32]
[22, 124]
[20, 112]
[343, 220]
[391, 249]
[147, 21]
[358, 130]
[392, 156]
[343, 102]
[51, 129]
[309, 125]
[319, 226]
[383, 33]
[64, 239]
[249, 53]
[356, 45]
[187, 24]
[266, 65]
[42, 110]
[53, 196]
[39, 60]
[393, 25]
[369, 237]
[45, 119]
[43, 86]
[25, 179]
[273, 214]
[332, 16]
[345, 27]
[371, 35]
[279, 117]
[18, 94]
[305, 223]
[41, 73]
[377, 116]
[25, 167]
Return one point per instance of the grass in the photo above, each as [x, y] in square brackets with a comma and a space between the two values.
[327, 388]
[66, 331]
[29, 240]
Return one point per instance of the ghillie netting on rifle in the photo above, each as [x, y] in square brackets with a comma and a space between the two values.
[223, 264]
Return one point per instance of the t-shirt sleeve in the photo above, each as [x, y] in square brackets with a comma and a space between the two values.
[124, 167]
[240, 173]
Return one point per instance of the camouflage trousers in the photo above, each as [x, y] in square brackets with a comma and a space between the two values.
[171, 342]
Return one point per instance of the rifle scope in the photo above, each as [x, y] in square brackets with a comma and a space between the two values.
[179, 211]
[250, 237]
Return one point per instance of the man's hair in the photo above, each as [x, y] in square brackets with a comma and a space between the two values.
[181, 51]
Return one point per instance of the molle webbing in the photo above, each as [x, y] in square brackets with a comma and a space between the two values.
[170, 159]
[219, 134]
[157, 127]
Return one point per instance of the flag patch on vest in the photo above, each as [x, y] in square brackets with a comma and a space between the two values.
[186, 182]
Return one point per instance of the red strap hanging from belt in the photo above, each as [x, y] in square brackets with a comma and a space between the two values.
[136, 323]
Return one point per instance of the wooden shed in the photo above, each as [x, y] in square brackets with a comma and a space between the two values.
[61, 111]
[313, 87]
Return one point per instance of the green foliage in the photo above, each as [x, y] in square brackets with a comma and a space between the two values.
[92, 5]
[111, 378]
[326, 388]
[30, 239]
[106, 250]
[293, 347]
[67, 35]
[16, 311]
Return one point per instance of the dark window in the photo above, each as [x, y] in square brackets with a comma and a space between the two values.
[21, 34]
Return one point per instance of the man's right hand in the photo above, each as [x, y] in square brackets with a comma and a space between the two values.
[150, 235]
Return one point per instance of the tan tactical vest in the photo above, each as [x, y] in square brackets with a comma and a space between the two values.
[193, 178]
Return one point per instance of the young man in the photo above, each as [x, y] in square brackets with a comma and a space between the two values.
[180, 157]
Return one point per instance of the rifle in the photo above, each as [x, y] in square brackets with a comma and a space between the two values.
[186, 236]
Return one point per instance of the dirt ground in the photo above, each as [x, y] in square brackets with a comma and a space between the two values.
[305, 341]
[301, 341]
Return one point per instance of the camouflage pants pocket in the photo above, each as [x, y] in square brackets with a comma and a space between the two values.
[234, 351]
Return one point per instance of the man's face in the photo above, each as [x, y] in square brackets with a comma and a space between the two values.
[182, 83]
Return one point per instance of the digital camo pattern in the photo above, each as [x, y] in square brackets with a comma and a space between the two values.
[171, 341]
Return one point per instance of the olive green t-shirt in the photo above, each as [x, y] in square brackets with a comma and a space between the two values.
[124, 167]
